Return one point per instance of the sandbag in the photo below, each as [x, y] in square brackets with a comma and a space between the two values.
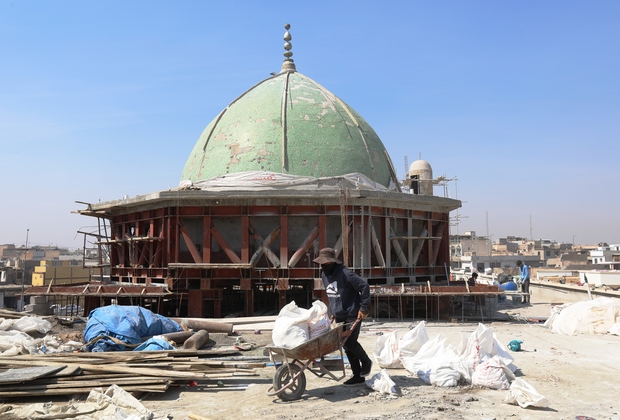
[437, 363]
[319, 320]
[413, 340]
[524, 394]
[492, 374]
[290, 328]
[481, 345]
[381, 382]
[29, 324]
[386, 351]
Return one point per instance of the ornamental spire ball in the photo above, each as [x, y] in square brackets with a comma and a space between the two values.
[288, 64]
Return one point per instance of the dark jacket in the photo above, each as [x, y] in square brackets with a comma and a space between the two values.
[347, 292]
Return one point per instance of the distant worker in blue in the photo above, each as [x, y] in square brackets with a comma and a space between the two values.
[524, 274]
[349, 298]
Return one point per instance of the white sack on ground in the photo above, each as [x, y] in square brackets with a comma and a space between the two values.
[481, 345]
[441, 364]
[386, 351]
[291, 326]
[26, 324]
[492, 373]
[615, 329]
[525, 395]
[381, 382]
[413, 340]
[437, 363]
[30, 324]
[596, 316]
[17, 342]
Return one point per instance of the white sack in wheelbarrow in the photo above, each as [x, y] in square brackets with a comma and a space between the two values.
[291, 326]
[319, 321]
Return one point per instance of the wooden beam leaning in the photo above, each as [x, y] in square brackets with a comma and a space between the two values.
[190, 243]
[263, 246]
[314, 233]
[234, 258]
[375, 244]
[398, 249]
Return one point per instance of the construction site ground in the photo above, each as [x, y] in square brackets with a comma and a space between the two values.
[579, 376]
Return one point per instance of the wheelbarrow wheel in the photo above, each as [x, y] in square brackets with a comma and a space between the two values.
[283, 377]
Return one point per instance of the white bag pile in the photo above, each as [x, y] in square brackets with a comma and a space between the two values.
[479, 360]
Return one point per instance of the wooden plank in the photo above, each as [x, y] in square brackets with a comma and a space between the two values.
[117, 368]
[28, 374]
[34, 386]
[70, 391]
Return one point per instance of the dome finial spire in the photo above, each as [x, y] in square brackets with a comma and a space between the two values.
[288, 64]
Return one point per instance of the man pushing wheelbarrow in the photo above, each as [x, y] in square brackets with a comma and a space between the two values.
[349, 298]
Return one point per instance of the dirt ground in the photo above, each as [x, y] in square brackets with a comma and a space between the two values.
[579, 376]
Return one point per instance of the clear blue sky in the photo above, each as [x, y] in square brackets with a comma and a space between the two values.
[519, 100]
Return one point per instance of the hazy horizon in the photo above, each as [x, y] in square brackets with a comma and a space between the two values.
[518, 102]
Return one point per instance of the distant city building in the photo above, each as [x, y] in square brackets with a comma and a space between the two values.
[607, 256]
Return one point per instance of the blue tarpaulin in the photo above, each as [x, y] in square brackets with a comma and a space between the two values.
[154, 344]
[118, 325]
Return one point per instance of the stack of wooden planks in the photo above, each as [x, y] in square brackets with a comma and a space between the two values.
[148, 371]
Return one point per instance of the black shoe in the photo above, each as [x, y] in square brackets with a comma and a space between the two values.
[354, 381]
[366, 367]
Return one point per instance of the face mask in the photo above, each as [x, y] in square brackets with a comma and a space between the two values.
[328, 268]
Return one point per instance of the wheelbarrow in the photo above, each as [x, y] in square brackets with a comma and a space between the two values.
[289, 381]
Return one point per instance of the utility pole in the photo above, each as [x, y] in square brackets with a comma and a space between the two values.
[531, 236]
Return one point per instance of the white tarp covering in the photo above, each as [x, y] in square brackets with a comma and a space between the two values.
[598, 316]
[264, 180]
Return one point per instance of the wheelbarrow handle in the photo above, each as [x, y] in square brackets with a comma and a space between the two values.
[347, 333]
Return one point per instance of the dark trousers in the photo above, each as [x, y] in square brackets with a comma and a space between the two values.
[525, 288]
[354, 350]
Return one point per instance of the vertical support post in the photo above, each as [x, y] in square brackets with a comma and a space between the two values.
[206, 239]
[322, 231]
[245, 237]
[284, 240]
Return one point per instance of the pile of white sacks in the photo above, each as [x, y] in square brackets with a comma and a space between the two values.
[15, 337]
[478, 360]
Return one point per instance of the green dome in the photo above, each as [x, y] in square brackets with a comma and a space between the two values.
[289, 124]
